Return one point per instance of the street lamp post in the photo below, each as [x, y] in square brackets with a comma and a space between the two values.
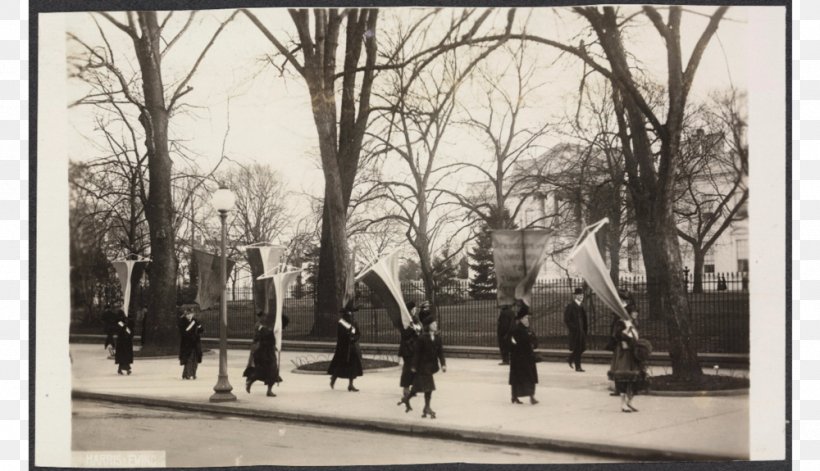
[223, 201]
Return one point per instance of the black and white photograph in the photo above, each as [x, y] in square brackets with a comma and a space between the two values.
[394, 235]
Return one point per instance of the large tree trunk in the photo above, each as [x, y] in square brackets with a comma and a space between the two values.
[697, 274]
[161, 325]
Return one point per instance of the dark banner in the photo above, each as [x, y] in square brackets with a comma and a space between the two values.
[210, 287]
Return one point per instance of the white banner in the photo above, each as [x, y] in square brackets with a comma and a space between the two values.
[587, 260]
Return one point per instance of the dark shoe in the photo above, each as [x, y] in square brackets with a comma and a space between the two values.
[248, 386]
[627, 411]
[427, 411]
[332, 382]
[515, 400]
[504, 363]
[270, 394]
[580, 370]
[185, 377]
[616, 394]
[569, 362]
[119, 372]
[533, 400]
[128, 372]
[352, 388]
[633, 409]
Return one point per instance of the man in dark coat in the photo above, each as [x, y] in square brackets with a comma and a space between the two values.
[506, 321]
[190, 343]
[124, 354]
[523, 372]
[575, 317]
[347, 358]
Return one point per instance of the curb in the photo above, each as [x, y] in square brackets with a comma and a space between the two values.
[723, 392]
[428, 431]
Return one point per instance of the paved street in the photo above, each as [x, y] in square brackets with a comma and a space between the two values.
[197, 439]
[472, 400]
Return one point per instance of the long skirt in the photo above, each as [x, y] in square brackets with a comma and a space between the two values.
[423, 382]
[625, 370]
[406, 374]
[189, 371]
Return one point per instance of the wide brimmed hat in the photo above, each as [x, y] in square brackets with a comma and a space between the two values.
[410, 305]
[578, 291]
[349, 307]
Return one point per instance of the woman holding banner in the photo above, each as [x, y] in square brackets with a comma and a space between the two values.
[523, 342]
[347, 358]
[406, 350]
[262, 366]
[426, 359]
[190, 343]
[124, 354]
[625, 370]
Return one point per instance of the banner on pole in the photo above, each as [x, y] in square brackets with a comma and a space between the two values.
[209, 286]
[129, 273]
[587, 260]
[518, 256]
[262, 259]
[383, 279]
[276, 288]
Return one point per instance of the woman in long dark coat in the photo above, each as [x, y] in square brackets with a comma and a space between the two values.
[190, 343]
[523, 372]
[262, 365]
[124, 354]
[626, 369]
[426, 360]
[406, 350]
[347, 359]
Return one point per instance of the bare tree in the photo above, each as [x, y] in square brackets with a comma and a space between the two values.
[413, 125]
[712, 190]
[145, 93]
[508, 138]
[341, 128]
[261, 212]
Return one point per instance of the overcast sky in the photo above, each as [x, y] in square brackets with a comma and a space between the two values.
[270, 118]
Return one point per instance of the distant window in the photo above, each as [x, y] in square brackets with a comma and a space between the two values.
[742, 265]
[709, 268]
[742, 246]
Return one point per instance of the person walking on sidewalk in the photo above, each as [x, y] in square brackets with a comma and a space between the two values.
[506, 321]
[124, 354]
[190, 343]
[406, 351]
[523, 342]
[262, 364]
[347, 358]
[426, 360]
[575, 318]
[626, 368]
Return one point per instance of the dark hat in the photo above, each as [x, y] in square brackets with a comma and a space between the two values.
[410, 305]
[523, 310]
[349, 307]
[624, 294]
[427, 317]
[260, 314]
[578, 291]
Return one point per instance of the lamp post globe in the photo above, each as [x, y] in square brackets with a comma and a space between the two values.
[223, 201]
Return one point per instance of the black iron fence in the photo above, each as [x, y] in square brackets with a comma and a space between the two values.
[719, 315]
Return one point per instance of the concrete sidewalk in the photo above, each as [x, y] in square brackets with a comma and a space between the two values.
[472, 403]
